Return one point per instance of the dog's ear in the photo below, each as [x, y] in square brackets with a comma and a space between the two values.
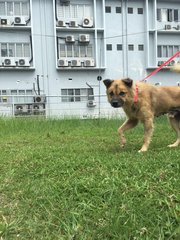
[107, 82]
[128, 82]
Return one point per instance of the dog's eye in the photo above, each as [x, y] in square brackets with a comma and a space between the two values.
[122, 94]
[111, 94]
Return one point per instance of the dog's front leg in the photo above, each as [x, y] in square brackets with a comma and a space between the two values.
[148, 130]
[128, 124]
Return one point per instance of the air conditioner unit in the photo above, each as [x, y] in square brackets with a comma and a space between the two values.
[61, 23]
[40, 99]
[21, 109]
[167, 27]
[91, 103]
[19, 20]
[89, 62]
[9, 62]
[63, 63]
[70, 39]
[75, 63]
[171, 63]
[38, 109]
[23, 62]
[87, 22]
[65, 2]
[84, 38]
[4, 21]
[160, 63]
[73, 24]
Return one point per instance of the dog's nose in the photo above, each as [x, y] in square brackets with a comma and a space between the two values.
[115, 103]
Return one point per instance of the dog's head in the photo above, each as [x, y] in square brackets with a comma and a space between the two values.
[118, 91]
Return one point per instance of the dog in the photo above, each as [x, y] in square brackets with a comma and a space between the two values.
[142, 102]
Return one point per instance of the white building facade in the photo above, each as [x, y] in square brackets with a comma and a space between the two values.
[55, 53]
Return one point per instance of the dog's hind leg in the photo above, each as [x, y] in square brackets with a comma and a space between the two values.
[175, 123]
[128, 124]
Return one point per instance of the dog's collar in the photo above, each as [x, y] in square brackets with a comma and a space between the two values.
[136, 94]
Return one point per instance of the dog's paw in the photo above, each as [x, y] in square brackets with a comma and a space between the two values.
[173, 145]
[142, 150]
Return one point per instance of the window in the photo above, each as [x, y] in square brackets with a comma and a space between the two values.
[89, 51]
[140, 10]
[62, 50]
[77, 94]
[83, 51]
[131, 47]
[15, 50]
[75, 50]
[141, 47]
[118, 9]
[69, 50]
[130, 10]
[109, 47]
[108, 9]
[119, 47]
[165, 51]
[176, 15]
[17, 10]
[4, 50]
[168, 15]
[9, 8]
[13, 8]
[3, 97]
[2, 8]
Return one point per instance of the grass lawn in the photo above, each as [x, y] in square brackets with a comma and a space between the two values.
[70, 180]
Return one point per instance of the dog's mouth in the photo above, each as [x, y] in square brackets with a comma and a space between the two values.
[117, 103]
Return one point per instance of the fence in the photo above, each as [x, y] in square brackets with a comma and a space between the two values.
[95, 106]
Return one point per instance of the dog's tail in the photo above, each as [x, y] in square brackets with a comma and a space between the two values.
[176, 68]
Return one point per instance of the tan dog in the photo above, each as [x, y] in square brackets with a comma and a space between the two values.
[142, 102]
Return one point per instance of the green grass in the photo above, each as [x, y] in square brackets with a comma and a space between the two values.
[70, 180]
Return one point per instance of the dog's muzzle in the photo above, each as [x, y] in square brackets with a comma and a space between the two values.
[117, 103]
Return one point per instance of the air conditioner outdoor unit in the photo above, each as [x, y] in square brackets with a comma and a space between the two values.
[18, 108]
[70, 39]
[84, 38]
[3, 21]
[23, 62]
[87, 22]
[65, 2]
[160, 63]
[63, 63]
[91, 103]
[38, 109]
[61, 23]
[171, 63]
[19, 20]
[167, 27]
[40, 99]
[9, 62]
[21, 108]
[75, 63]
[89, 62]
[73, 24]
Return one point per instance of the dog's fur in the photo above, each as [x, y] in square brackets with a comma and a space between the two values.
[152, 101]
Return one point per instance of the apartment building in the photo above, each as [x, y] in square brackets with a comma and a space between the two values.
[55, 53]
